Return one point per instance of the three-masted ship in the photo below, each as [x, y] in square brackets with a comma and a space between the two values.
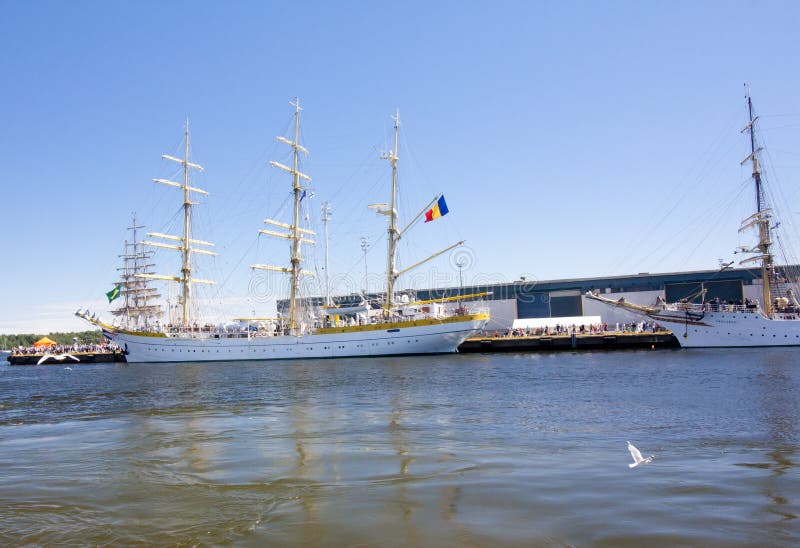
[139, 309]
[772, 320]
[398, 327]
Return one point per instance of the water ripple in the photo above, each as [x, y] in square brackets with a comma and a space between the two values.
[519, 449]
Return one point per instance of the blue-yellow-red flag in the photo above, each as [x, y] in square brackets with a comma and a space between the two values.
[439, 209]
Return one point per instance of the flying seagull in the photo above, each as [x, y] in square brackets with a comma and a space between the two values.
[637, 457]
[58, 357]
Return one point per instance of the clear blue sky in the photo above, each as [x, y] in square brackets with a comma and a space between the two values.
[570, 138]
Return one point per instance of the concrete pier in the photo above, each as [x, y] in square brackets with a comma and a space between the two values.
[570, 341]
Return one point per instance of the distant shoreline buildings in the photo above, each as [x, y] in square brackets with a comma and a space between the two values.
[565, 297]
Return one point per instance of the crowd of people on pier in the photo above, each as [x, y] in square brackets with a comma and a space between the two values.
[591, 329]
[96, 348]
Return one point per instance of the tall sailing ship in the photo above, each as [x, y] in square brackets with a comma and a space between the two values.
[398, 327]
[138, 309]
[772, 320]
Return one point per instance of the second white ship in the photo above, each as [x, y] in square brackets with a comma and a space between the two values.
[772, 321]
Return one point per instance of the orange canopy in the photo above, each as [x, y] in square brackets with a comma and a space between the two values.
[44, 341]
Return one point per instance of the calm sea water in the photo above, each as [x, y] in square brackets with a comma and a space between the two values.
[463, 450]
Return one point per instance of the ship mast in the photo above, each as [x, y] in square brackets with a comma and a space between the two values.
[295, 260]
[391, 276]
[296, 234]
[761, 218]
[756, 172]
[394, 234]
[126, 275]
[136, 265]
[186, 268]
[185, 242]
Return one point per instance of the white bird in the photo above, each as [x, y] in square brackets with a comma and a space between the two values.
[67, 368]
[637, 457]
[58, 357]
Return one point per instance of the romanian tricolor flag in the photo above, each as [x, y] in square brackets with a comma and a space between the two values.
[439, 209]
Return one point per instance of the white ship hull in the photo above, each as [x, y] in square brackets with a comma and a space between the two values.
[431, 337]
[729, 329]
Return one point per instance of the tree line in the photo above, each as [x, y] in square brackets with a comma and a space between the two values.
[7, 342]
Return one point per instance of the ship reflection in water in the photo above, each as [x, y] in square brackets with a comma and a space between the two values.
[513, 449]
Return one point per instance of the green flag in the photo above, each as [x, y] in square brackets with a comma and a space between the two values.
[114, 293]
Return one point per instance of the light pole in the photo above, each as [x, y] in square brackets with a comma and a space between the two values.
[364, 248]
[326, 216]
[460, 265]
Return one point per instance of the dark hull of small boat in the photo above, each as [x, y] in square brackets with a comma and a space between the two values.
[83, 358]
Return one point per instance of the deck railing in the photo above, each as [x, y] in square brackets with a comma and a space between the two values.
[713, 307]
